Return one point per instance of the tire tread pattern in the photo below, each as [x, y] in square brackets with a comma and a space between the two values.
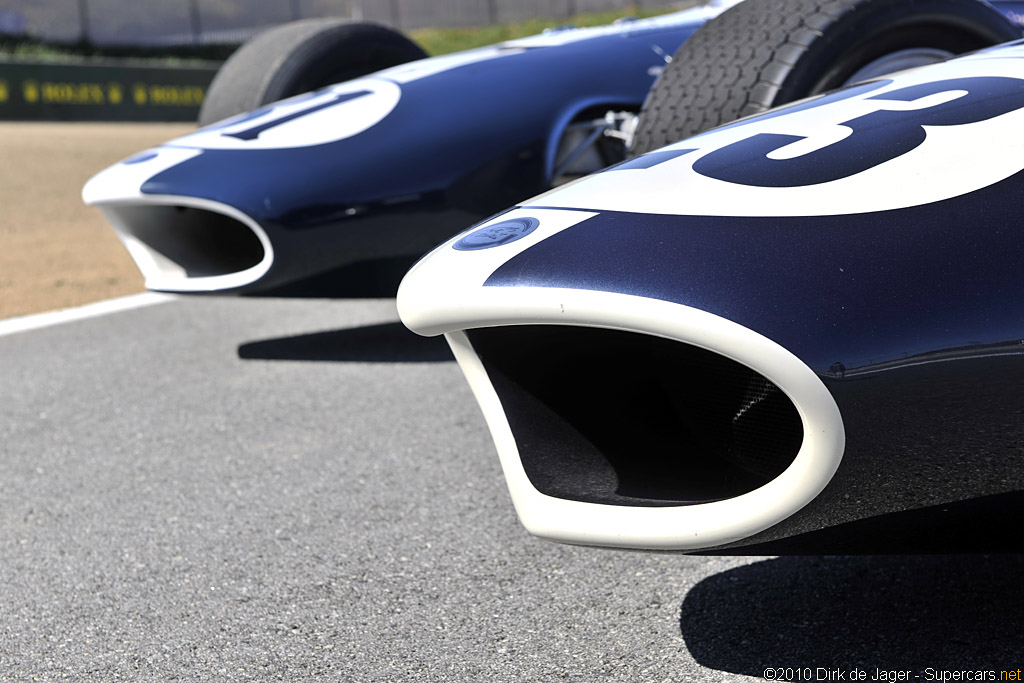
[732, 67]
[763, 53]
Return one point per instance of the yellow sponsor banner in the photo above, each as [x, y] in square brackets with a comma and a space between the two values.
[167, 95]
[96, 92]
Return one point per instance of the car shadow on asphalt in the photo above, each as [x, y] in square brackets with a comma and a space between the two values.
[370, 279]
[382, 343]
[893, 613]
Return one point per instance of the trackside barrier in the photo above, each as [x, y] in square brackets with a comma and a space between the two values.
[101, 91]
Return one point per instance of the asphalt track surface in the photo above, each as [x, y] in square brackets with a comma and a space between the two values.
[226, 490]
[221, 489]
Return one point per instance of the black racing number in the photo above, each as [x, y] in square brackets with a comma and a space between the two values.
[254, 132]
[877, 137]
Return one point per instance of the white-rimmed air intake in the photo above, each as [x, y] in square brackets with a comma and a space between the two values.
[432, 301]
[179, 243]
[186, 244]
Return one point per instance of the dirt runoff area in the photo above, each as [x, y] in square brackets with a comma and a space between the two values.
[55, 252]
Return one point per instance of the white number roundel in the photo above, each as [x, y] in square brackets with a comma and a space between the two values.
[316, 118]
[906, 140]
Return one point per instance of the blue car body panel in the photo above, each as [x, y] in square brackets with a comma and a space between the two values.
[801, 332]
[446, 141]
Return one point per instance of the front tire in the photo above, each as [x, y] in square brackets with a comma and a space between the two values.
[301, 56]
[765, 53]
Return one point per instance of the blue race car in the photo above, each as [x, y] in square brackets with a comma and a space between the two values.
[288, 198]
[797, 333]
[382, 166]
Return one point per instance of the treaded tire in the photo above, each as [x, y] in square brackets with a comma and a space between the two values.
[764, 53]
[301, 56]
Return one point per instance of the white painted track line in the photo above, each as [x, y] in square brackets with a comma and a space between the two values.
[65, 315]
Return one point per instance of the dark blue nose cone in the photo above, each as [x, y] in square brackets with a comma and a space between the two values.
[497, 234]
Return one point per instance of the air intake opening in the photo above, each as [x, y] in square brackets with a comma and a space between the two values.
[186, 242]
[621, 418]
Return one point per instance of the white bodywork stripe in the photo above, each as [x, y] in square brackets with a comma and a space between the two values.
[37, 321]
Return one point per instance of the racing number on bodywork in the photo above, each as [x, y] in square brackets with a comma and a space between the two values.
[316, 118]
[877, 137]
[254, 132]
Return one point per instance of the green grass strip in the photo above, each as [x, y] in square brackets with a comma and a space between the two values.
[439, 41]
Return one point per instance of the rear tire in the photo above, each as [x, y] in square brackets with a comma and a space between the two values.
[302, 56]
[764, 53]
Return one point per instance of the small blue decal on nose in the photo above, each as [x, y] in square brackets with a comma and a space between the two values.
[497, 234]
